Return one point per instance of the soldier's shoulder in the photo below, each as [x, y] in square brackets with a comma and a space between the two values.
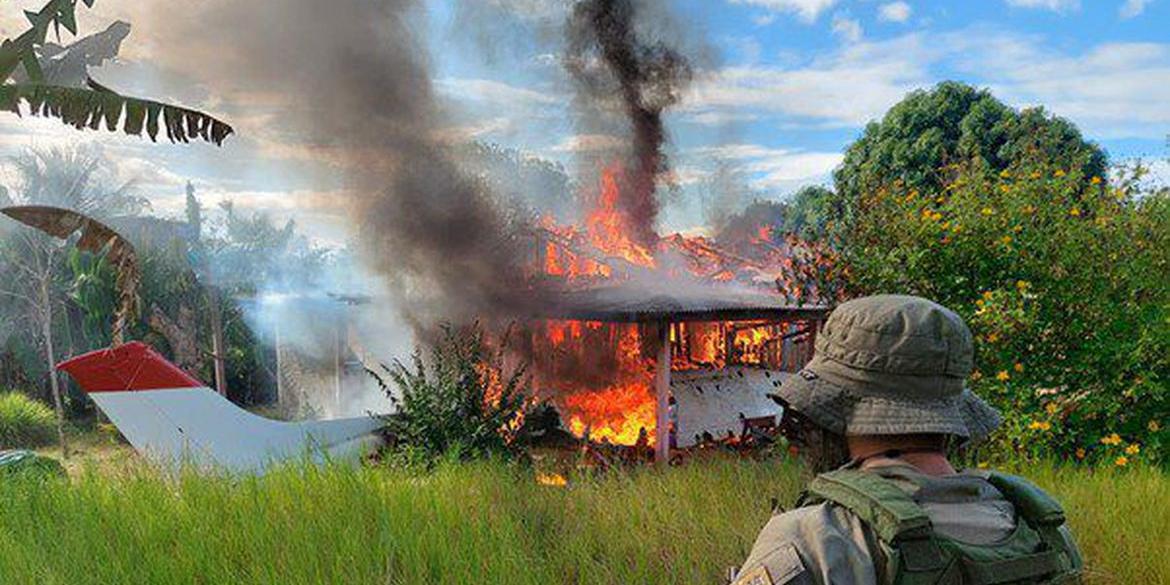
[800, 546]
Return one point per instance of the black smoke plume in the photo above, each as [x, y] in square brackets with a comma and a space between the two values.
[350, 83]
[649, 76]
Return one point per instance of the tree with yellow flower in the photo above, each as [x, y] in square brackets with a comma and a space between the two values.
[1060, 272]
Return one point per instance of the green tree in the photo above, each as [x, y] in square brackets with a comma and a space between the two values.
[1063, 281]
[810, 211]
[35, 274]
[922, 143]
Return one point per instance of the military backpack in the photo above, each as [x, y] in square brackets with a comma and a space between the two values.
[912, 553]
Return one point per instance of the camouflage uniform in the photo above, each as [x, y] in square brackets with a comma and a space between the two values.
[893, 365]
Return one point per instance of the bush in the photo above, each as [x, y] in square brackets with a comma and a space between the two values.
[1062, 278]
[24, 422]
[458, 402]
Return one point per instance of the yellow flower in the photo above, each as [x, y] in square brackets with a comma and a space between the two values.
[1040, 425]
[1023, 284]
[1080, 452]
[1133, 449]
[1006, 240]
[1122, 461]
[936, 216]
[992, 338]
[988, 211]
[1004, 173]
[982, 465]
[1113, 439]
[1028, 209]
[1075, 212]
[1153, 426]
[1003, 376]
[1051, 408]
[1059, 172]
[987, 295]
[1095, 180]
[1018, 367]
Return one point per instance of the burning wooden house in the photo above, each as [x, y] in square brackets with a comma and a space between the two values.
[668, 343]
[668, 367]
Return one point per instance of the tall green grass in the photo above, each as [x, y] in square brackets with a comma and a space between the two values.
[24, 422]
[475, 523]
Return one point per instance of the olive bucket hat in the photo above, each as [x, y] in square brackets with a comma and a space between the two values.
[891, 365]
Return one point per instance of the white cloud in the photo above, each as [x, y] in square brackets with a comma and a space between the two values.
[495, 92]
[849, 29]
[894, 12]
[764, 19]
[847, 87]
[1133, 8]
[720, 118]
[807, 10]
[1112, 90]
[476, 130]
[588, 143]
[1060, 6]
[773, 168]
[533, 9]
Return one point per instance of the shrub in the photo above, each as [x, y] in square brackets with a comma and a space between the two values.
[24, 422]
[1062, 278]
[459, 402]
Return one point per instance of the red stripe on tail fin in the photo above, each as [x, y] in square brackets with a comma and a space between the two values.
[131, 366]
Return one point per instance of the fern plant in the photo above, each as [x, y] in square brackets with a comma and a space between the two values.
[93, 105]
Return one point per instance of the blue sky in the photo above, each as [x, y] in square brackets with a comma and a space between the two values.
[781, 87]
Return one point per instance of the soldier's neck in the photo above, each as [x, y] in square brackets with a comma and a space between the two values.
[922, 452]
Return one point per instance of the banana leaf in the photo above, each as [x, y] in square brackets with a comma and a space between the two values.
[96, 106]
[98, 238]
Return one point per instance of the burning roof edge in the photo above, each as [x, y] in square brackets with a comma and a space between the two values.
[640, 304]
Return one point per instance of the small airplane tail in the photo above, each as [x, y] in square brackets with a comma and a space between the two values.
[174, 418]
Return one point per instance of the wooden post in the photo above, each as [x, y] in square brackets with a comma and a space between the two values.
[662, 391]
[279, 371]
[218, 348]
[338, 360]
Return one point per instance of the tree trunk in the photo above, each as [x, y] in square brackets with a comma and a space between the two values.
[47, 332]
[217, 344]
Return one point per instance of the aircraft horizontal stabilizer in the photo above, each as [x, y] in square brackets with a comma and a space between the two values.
[173, 418]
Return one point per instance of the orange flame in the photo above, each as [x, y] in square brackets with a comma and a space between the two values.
[596, 373]
[619, 414]
[551, 479]
[608, 227]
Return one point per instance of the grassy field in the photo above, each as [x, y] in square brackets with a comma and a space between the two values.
[479, 523]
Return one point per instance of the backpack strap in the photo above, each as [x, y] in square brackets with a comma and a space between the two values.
[1046, 516]
[1037, 507]
[879, 502]
[896, 519]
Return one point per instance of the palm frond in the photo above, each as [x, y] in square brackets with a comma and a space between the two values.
[94, 106]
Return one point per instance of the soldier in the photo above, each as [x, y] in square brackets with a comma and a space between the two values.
[881, 402]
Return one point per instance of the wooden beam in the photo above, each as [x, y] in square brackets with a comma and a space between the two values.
[662, 391]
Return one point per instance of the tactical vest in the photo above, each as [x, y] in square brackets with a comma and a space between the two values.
[914, 554]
